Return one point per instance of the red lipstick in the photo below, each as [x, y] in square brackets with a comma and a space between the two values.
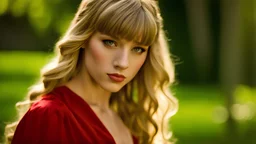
[116, 77]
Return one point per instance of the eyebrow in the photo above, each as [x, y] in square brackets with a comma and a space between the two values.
[106, 35]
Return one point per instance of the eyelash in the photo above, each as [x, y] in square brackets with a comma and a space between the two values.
[141, 50]
[106, 42]
[138, 50]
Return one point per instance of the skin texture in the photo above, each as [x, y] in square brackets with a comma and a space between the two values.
[105, 55]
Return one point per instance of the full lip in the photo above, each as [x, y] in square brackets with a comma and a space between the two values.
[116, 77]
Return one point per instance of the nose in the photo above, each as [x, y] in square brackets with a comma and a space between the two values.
[121, 60]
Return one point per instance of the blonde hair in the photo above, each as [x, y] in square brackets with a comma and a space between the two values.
[145, 103]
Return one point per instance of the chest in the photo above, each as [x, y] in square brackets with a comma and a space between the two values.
[116, 128]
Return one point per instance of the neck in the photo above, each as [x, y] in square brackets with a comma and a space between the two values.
[87, 89]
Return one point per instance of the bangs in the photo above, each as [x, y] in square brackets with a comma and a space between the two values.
[128, 20]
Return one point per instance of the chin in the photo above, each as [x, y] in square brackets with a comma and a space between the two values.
[114, 91]
[112, 88]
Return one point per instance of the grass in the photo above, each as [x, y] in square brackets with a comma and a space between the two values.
[193, 124]
[19, 70]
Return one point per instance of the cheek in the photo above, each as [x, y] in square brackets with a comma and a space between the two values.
[139, 63]
[97, 53]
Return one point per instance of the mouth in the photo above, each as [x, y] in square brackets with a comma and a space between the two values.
[116, 77]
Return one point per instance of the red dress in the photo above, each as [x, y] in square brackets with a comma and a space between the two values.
[62, 117]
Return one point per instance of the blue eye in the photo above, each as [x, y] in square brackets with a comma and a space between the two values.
[139, 50]
[109, 43]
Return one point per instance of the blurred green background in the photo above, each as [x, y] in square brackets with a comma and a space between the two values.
[214, 42]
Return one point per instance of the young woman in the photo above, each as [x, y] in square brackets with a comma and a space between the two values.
[109, 82]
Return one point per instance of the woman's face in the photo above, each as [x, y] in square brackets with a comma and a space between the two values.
[112, 63]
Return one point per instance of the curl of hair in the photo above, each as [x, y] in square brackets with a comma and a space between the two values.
[151, 103]
[145, 103]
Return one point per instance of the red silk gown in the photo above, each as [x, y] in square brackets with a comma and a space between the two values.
[62, 117]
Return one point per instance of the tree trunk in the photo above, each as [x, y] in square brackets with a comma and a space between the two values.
[230, 57]
[254, 44]
[249, 39]
[198, 17]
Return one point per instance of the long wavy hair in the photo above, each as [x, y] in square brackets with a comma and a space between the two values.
[145, 104]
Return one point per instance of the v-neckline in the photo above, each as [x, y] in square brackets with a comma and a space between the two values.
[93, 113]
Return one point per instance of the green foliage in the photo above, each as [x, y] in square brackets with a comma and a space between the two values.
[43, 15]
[245, 94]
[23, 63]
[3, 6]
